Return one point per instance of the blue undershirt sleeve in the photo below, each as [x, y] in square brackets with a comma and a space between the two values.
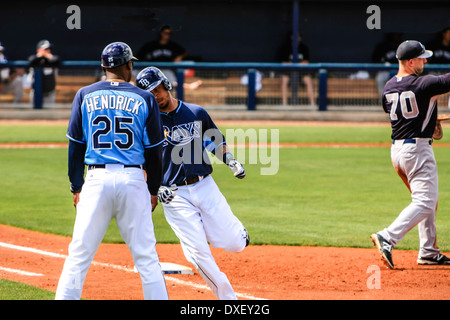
[76, 165]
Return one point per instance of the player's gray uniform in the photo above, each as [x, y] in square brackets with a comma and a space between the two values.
[411, 102]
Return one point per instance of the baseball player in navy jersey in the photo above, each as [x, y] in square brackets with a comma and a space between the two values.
[193, 205]
[115, 129]
[411, 101]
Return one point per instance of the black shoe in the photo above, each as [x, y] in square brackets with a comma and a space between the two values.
[440, 259]
[385, 249]
[247, 238]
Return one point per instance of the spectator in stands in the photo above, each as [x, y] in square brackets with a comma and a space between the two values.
[10, 79]
[48, 63]
[285, 56]
[2, 55]
[384, 52]
[164, 49]
[441, 48]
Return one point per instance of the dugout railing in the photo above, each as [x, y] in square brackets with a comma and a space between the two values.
[251, 86]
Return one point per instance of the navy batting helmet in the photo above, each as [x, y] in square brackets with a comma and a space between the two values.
[151, 77]
[116, 54]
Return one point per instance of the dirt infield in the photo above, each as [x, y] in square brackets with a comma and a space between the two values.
[259, 272]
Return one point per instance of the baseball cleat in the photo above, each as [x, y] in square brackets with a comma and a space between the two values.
[247, 238]
[440, 259]
[385, 249]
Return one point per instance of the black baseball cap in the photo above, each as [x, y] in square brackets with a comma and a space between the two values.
[411, 49]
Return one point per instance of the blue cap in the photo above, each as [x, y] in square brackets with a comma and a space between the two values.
[116, 54]
[151, 77]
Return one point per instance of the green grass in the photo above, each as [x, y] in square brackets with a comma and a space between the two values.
[327, 197]
[35, 194]
[319, 134]
[32, 133]
[57, 133]
[11, 290]
[319, 196]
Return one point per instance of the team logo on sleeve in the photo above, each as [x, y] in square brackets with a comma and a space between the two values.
[182, 134]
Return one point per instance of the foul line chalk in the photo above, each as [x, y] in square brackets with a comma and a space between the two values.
[205, 287]
[21, 272]
[168, 268]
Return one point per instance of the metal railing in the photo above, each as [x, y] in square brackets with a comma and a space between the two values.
[259, 84]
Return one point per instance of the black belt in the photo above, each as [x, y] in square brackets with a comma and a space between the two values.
[189, 181]
[413, 141]
[103, 166]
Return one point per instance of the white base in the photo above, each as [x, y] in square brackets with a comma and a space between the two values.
[172, 268]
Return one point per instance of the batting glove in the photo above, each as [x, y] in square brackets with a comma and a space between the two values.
[166, 194]
[237, 168]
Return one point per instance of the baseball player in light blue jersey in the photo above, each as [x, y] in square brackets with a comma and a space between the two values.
[193, 205]
[114, 129]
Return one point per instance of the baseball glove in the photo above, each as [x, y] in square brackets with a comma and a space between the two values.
[443, 117]
[438, 132]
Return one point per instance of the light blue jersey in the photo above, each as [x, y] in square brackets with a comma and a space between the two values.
[115, 120]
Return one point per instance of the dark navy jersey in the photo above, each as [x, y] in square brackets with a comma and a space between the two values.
[411, 102]
[116, 121]
[189, 133]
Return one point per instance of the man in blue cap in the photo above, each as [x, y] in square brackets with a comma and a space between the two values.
[114, 129]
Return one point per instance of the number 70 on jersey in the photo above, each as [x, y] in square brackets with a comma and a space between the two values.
[409, 110]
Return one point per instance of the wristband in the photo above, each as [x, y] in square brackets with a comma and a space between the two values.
[75, 189]
[227, 157]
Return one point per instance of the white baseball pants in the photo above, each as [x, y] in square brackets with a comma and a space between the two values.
[200, 213]
[120, 193]
[416, 165]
